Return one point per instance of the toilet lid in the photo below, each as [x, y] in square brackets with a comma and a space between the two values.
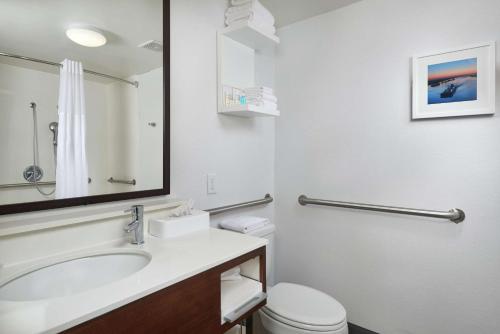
[304, 305]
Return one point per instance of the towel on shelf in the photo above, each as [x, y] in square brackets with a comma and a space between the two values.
[244, 224]
[250, 18]
[267, 29]
[264, 104]
[251, 11]
[259, 90]
[252, 7]
[231, 275]
[262, 96]
[241, 2]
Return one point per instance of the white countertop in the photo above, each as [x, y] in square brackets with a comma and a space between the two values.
[172, 261]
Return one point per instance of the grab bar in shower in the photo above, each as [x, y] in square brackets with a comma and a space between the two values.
[455, 215]
[30, 184]
[131, 182]
[215, 211]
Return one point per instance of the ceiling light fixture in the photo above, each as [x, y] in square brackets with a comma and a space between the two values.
[86, 36]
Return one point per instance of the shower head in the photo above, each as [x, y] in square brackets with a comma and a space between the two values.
[54, 127]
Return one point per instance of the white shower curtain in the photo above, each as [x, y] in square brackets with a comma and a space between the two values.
[72, 169]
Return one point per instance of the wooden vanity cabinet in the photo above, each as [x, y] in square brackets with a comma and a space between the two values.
[192, 306]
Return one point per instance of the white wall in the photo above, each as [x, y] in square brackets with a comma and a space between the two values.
[150, 109]
[240, 151]
[343, 81]
[122, 135]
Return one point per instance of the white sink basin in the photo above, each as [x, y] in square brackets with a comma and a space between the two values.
[72, 275]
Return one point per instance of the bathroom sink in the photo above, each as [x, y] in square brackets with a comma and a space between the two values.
[68, 276]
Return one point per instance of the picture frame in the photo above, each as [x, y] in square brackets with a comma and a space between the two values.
[454, 82]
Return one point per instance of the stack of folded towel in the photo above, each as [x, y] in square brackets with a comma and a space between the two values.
[251, 11]
[244, 224]
[262, 97]
[233, 274]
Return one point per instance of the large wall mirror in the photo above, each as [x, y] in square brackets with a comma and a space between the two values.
[84, 117]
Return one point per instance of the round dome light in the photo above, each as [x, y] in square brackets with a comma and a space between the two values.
[86, 36]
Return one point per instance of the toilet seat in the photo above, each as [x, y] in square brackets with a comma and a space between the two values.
[304, 308]
[302, 326]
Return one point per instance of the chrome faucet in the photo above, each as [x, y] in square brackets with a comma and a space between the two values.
[137, 224]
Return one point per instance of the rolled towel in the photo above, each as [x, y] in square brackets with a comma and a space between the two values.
[244, 224]
[231, 275]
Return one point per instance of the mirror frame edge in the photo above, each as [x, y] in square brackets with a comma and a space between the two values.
[96, 199]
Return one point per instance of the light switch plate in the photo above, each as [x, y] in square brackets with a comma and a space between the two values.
[211, 184]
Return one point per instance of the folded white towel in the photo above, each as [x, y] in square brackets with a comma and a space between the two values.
[259, 90]
[244, 224]
[253, 19]
[252, 7]
[268, 29]
[264, 104]
[231, 275]
[241, 2]
[262, 96]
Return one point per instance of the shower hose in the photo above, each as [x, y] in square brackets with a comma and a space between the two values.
[36, 153]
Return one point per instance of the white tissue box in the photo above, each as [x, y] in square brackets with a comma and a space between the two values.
[173, 227]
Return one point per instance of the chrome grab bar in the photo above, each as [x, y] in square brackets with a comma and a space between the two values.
[215, 211]
[30, 184]
[131, 182]
[455, 215]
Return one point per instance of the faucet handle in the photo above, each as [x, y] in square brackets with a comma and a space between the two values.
[135, 209]
[132, 226]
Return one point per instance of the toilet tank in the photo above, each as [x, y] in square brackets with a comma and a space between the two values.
[267, 232]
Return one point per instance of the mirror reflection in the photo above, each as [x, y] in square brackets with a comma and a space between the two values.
[81, 98]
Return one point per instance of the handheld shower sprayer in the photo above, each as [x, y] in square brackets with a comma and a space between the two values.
[34, 173]
[54, 127]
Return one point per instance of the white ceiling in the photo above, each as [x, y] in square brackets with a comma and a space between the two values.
[36, 29]
[291, 11]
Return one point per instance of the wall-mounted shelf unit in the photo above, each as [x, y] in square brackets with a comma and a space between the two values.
[247, 110]
[252, 36]
[245, 58]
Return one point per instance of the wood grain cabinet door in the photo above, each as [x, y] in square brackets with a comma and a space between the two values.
[189, 307]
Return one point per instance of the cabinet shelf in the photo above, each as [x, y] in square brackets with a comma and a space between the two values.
[247, 110]
[252, 36]
[245, 53]
[235, 294]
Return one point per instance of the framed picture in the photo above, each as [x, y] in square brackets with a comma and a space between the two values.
[459, 82]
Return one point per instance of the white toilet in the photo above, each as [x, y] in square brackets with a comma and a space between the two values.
[297, 309]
